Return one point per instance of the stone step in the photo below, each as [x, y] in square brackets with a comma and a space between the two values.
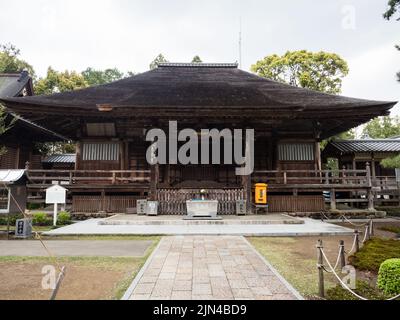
[182, 221]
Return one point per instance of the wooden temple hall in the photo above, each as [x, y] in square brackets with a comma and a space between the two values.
[109, 124]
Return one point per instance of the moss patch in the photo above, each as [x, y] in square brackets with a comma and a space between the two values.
[394, 229]
[362, 288]
[374, 252]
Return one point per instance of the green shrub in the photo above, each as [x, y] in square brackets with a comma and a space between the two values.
[33, 206]
[363, 288]
[63, 218]
[389, 276]
[13, 218]
[391, 211]
[374, 252]
[40, 219]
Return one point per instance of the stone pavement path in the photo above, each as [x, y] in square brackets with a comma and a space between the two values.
[208, 268]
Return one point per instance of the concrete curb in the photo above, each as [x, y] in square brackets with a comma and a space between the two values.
[128, 293]
[277, 274]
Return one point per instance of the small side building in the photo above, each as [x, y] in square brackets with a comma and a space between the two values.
[65, 161]
[354, 154]
[13, 194]
[19, 141]
[360, 154]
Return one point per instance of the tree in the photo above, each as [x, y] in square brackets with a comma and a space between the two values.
[96, 77]
[5, 125]
[159, 59]
[320, 71]
[393, 7]
[196, 59]
[393, 162]
[382, 127]
[56, 81]
[10, 61]
[49, 148]
[347, 135]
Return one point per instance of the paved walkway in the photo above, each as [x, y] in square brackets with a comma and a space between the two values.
[94, 248]
[208, 268]
[310, 227]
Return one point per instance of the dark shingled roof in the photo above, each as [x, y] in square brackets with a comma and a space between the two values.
[377, 145]
[197, 85]
[61, 158]
[12, 84]
[200, 91]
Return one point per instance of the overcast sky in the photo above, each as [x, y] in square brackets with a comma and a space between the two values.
[128, 34]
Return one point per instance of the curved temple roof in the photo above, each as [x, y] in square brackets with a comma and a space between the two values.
[206, 89]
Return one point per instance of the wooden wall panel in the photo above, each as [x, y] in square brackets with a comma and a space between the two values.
[302, 203]
[109, 203]
[8, 159]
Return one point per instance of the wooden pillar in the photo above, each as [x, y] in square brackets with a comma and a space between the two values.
[154, 177]
[78, 155]
[167, 175]
[270, 164]
[246, 181]
[126, 155]
[370, 194]
[333, 199]
[246, 184]
[321, 284]
[17, 155]
[317, 156]
[103, 201]
[121, 156]
[373, 170]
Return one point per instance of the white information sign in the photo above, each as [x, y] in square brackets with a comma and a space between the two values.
[55, 195]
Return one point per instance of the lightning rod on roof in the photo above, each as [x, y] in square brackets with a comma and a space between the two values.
[240, 42]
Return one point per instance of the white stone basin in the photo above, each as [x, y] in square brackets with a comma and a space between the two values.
[202, 208]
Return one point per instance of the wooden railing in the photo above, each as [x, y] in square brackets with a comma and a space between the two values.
[361, 178]
[385, 182]
[70, 177]
[173, 201]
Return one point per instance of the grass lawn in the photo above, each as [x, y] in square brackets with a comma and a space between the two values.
[91, 278]
[296, 260]
[35, 228]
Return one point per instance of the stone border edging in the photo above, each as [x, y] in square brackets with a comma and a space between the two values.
[128, 293]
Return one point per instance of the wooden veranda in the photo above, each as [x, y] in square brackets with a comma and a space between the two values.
[288, 190]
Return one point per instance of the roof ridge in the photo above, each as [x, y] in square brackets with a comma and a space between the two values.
[196, 65]
[366, 140]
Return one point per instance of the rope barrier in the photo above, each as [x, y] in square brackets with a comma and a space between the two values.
[354, 224]
[365, 234]
[343, 217]
[345, 286]
[339, 279]
[353, 246]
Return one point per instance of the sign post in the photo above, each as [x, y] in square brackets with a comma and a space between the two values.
[54, 195]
